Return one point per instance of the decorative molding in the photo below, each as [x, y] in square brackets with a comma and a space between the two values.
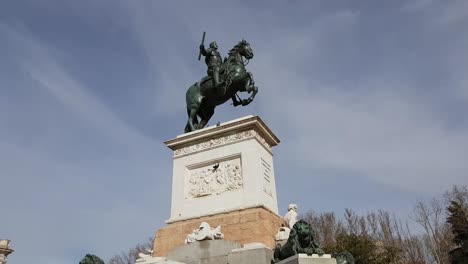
[214, 179]
[218, 211]
[215, 142]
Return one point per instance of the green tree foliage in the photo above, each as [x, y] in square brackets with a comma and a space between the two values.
[91, 259]
[364, 249]
[131, 255]
[458, 220]
[377, 237]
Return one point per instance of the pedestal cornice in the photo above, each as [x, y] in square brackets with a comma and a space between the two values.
[226, 133]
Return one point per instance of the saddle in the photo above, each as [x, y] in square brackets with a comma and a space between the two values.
[222, 77]
[205, 79]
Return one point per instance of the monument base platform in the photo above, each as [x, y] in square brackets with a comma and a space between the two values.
[220, 252]
[241, 226]
[305, 259]
[207, 252]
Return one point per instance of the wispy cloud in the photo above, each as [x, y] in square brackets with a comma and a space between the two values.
[55, 182]
[377, 127]
[43, 68]
[440, 13]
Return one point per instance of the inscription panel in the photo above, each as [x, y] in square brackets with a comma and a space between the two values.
[267, 178]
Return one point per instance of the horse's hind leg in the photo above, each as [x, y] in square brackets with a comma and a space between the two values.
[206, 116]
[192, 120]
[202, 124]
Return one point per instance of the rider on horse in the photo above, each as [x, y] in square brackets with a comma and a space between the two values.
[213, 61]
[202, 97]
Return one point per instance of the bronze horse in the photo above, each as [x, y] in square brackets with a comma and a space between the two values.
[202, 97]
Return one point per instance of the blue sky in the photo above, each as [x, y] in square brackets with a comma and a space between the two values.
[369, 98]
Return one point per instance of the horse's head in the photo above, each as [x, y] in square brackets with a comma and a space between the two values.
[245, 49]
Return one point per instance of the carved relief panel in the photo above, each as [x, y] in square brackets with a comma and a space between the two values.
[213, 178]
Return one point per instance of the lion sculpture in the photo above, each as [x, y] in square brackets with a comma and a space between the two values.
[301, 240]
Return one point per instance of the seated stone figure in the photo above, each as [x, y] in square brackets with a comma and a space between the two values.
[204, 232]
[290, 218]
[301, 240]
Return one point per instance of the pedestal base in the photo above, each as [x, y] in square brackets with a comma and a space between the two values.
[241, 226]
[305, 259]
[252, 255]
[207, 252]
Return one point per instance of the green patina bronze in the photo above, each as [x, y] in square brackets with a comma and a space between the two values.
[301, 240]
[224, 80]
[344, 258]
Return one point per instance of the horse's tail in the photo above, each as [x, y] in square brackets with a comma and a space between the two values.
[192, 99]
[187, 126]
[193, 93]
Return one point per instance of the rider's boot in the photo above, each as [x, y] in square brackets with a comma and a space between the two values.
[219, 86]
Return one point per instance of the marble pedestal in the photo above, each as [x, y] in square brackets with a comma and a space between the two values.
[305, 259]
[241, 226]
[223, 175]
[221, 252]
[207, 252]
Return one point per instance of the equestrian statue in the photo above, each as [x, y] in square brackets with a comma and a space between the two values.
[224, 80]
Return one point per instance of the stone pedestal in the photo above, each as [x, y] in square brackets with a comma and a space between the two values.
[157, 260]
[223, 168]
[251, 255]
[207, 252]
[221, 252]
[241, 226]
[305, 259]
[223, 175]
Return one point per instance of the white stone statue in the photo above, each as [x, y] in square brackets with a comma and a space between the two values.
[290, 218]
[4, 244]
[149, 259]
[204, 232]
[142, 257]
[5, 250]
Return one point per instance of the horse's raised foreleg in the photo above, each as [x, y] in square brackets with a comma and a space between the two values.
[251, 80]
[250, 88]
[235, 102]
[254, 90]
